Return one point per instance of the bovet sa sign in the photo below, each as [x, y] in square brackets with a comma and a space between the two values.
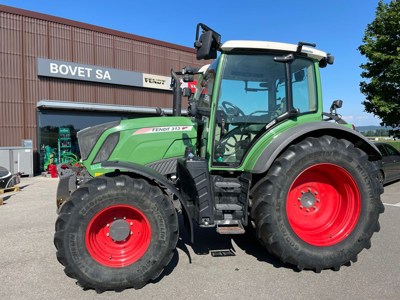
[75, 71]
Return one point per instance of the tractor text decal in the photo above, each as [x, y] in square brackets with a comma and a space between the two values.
[162, 129]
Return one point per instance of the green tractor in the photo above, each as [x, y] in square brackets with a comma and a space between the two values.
[255, 152]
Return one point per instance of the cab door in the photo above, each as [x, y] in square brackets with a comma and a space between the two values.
[253, 92]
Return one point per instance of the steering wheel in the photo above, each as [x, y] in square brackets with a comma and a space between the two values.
[232, 110]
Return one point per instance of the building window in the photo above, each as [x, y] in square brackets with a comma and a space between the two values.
[57, 130]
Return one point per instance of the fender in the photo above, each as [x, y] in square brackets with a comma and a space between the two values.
[156, 177]
[314, 129]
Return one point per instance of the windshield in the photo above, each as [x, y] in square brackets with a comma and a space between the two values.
[252, 94]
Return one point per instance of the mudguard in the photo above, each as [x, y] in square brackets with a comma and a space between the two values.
[159, 179]
[66, 181]
[70, 177]
[314, 129]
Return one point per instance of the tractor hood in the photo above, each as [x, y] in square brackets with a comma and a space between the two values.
[143, 141]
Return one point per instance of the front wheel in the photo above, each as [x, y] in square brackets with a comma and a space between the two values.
[319, 204]
[116, 232]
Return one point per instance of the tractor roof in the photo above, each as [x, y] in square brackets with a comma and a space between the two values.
[263, 45]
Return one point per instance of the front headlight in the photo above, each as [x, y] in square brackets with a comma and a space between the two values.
[107, 148]
[88, 137]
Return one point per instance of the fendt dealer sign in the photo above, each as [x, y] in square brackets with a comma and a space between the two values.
[70, 70]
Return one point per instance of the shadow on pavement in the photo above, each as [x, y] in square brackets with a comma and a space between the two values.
[11, 192]
[208, 241]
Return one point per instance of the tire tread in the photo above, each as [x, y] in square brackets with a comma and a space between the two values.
[95, 186]
[263, 202]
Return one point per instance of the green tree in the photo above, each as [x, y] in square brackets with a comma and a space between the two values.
[369, 133]
[381, 47]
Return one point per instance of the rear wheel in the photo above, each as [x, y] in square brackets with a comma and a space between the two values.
[115, 233]
[319, 204]
[381, 177]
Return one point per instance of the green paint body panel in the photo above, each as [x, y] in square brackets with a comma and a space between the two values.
[256, 151]
[159, 138]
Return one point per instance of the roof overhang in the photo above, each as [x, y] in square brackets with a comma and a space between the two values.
[84, 106]
[272, 46]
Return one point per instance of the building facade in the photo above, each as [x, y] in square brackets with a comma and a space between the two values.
[58, 76]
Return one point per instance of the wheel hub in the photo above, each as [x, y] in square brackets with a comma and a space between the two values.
[307, 199]
[118, 235]
[119, 230]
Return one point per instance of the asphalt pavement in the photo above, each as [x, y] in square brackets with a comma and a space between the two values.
[29, 268]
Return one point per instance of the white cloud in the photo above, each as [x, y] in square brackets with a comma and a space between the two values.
[362, 120]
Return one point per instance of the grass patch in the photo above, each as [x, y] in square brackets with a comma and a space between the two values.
[395, 144]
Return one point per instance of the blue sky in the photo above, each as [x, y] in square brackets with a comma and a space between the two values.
[335, 26]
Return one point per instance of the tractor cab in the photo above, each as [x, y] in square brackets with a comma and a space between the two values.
[251, 88]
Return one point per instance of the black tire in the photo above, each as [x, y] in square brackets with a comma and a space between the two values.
[381, 177]
[288, 210]
[82, 230]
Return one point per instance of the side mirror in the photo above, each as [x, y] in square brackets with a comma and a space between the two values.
[208, 43]
[204, 46]
[329, 59]
[335, 105]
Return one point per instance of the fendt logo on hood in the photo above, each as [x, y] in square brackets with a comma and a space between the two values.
[163, 129]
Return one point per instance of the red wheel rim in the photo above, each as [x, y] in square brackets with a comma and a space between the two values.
[118, 236]
[323, 205]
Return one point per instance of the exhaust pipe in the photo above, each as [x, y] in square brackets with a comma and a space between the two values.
[177, 95]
